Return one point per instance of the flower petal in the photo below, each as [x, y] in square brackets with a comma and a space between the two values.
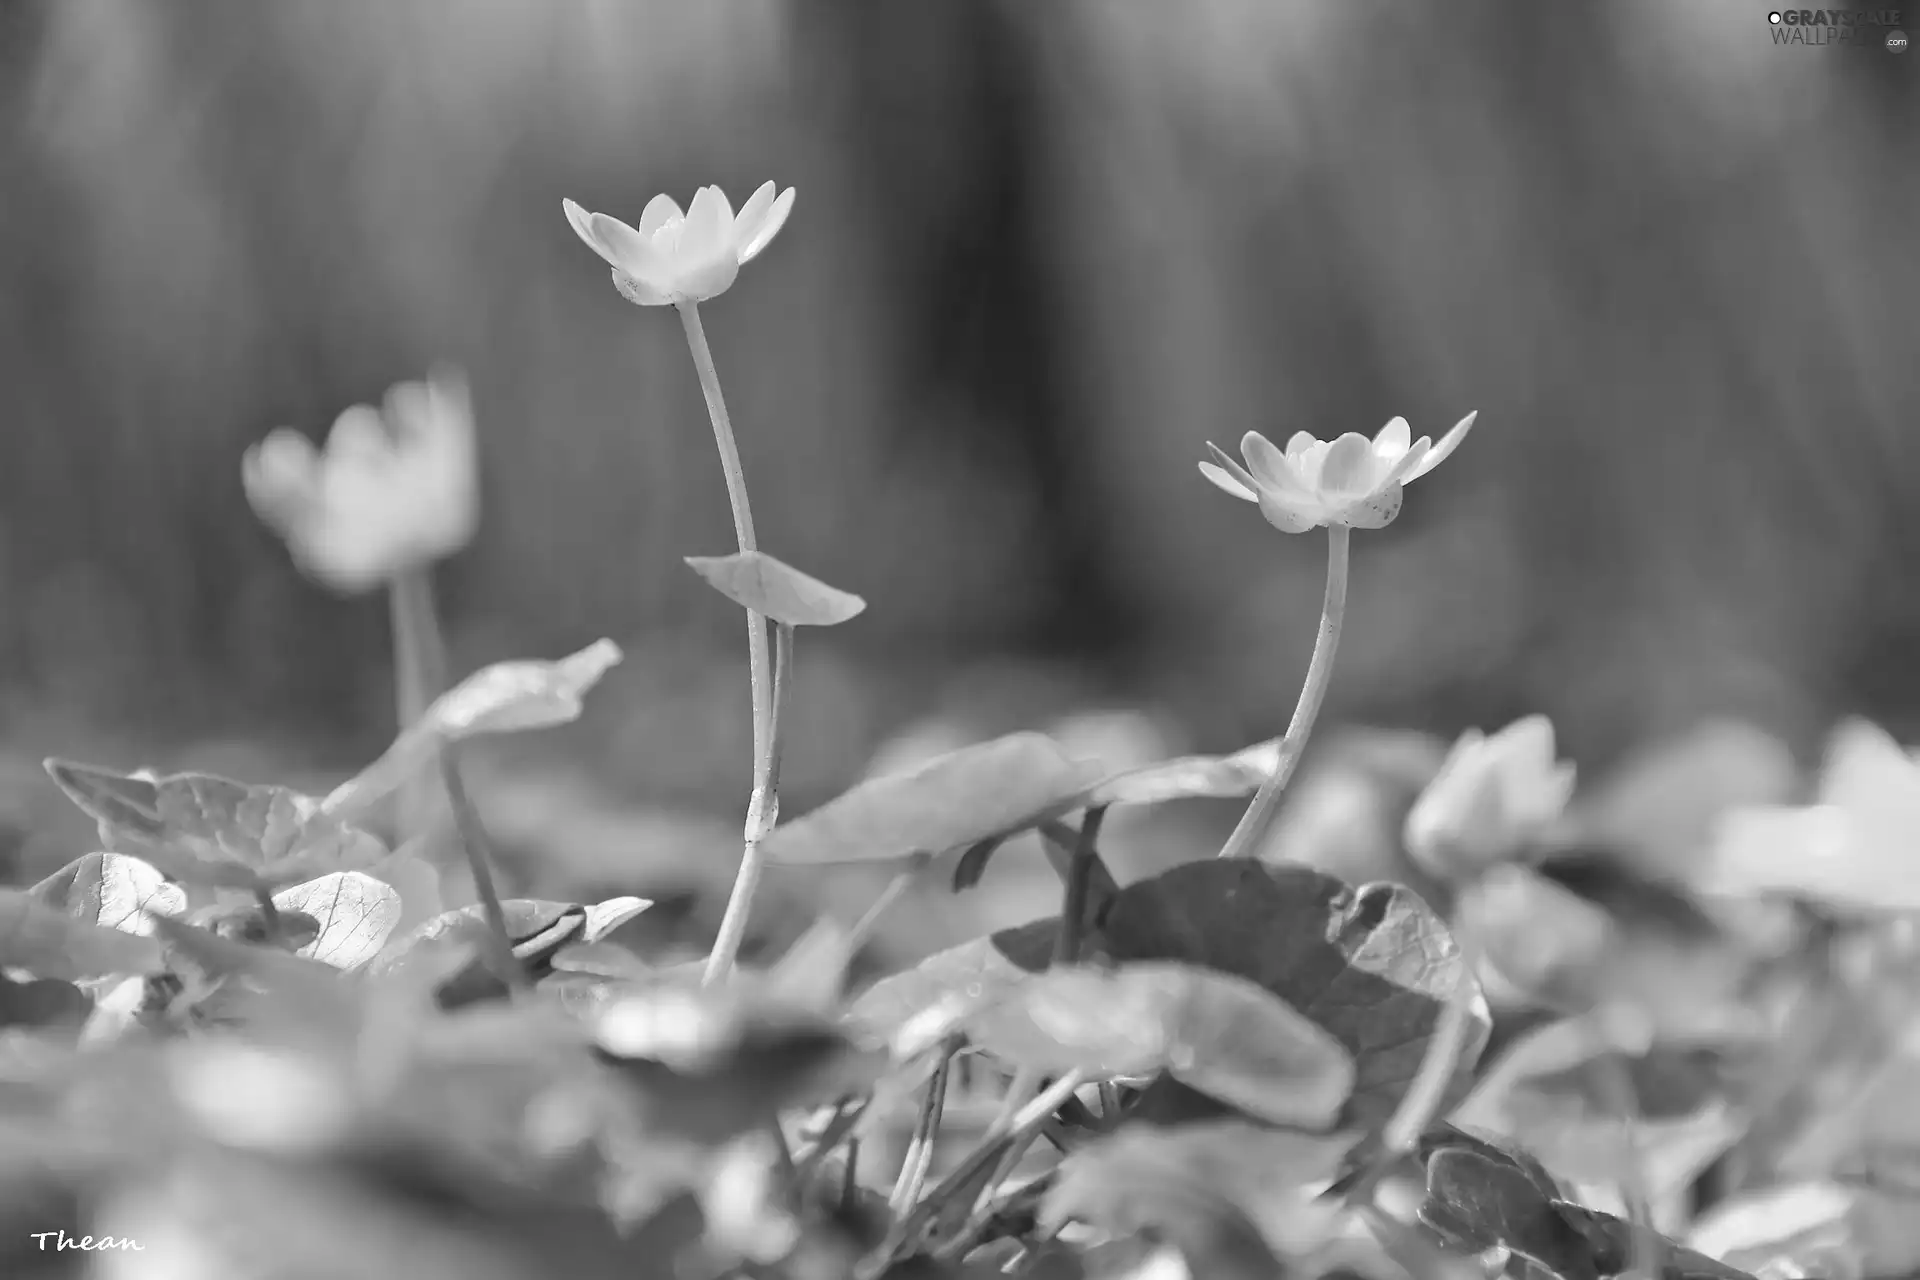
[707, 279]
[1448, 443]
[1288, 515]
[1350, 467]
[708, 233]
[1299, 442]
[776, 219]
[637, 291]
[1271, 468]
[1225, 480]
[1393, 440]
[582, 223]
[627, 248]
[1375, 511]
[1412, 458]
[660, 210]
[359, 439]
[749, 217]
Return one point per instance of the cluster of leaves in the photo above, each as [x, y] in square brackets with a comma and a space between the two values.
[250, 1037]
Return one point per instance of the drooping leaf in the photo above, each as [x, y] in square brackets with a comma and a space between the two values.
[205, 829]
[967, 796]
[537, 929]
[1223, 1035]
[1227, 777]
[762, 584]
[1228, 1195]
[604, 917]
[507, 697]
[1546, 1094]
[354, 914]
[111, 890]
[1373, 966]
[52, 944]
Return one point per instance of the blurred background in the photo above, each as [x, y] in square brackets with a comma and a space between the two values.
[1041, 254]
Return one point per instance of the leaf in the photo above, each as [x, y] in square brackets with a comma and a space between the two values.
[1228, 1195]
[961, 798]
[711, 1063]
[205, 829]
[52, 944]
[537, 929]
[1803, 1228]
[1478, 1203]
[912, 1011]
[1542, 1093]
[604, 959]
[1222, 1035]
[354, 914]
[1610, 1242]
[1373, 966]
[246, 922]
[761, 584]
[507, 697]
[1192, 778]
[604, 917]
[111, 890]
[42, 1002]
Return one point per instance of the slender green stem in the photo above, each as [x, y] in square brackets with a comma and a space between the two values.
[417, 662]
[270, 916]
[1421, 1102]
[863, 927]
[763, 812]
[1247, 837]
[479, 851]
[763, 807]
[913, 1170]
[1616, 1086]
[1078, 887]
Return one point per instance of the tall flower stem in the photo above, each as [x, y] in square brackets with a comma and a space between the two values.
[763, 811]
[726, 947]
[416, 682]
[1246, 838]
[419, 662]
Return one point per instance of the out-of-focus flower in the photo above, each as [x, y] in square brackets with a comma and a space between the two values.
[391, 491]
[1350, 481]
[1856, 847]
[674, 257]
[1493, 797]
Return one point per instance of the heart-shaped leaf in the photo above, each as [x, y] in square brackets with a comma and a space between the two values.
[966, 796]
[1222, 1035]
[537, 929]
[1373, 966]
[1192, 778]
[1545, 1093]
[914, 1010]
[354, 913]
[111, 890]
[507, 697]
[205, 829]
[762, 584]
[52, 944]
[1228, 1194]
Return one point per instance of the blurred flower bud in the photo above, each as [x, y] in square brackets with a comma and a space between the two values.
[674, 257]
[1492, 798]
[394, 489]
[1350, 481]
[1546, 940]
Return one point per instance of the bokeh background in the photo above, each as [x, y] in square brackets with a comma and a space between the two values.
[1042, 252]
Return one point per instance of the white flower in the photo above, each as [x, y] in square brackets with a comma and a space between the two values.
[1350, 481]
[1857, 846]
[674, 257]
[392, 490]
[1492, 798]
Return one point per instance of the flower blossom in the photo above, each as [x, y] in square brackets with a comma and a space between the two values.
[1493, 797]
[393, 489]
[1351, 481]
[674, 257]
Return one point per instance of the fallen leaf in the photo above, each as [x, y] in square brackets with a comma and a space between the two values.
[758, 582]
[111, 890]
[354, 914]
[967, 796]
